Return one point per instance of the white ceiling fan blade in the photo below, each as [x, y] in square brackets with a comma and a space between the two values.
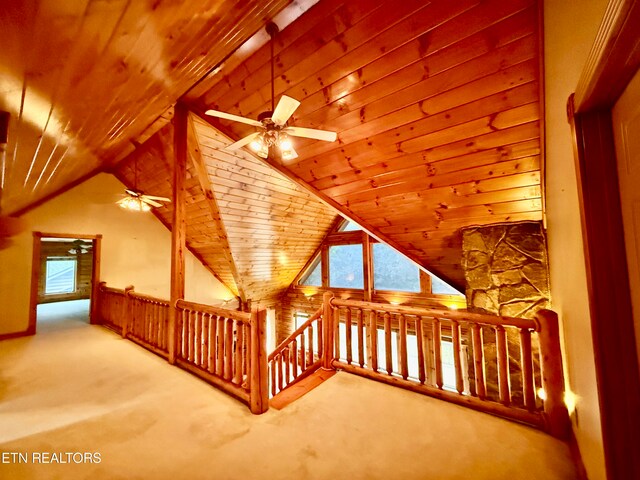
[285, 108]
[133, 193]
[235, 118]
[153, 197]
[325, 135]
[243, 141]
[153, 203]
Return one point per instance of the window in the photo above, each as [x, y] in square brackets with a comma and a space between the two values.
[345, 266]
[314, 277]
[441, 287]
[392, 271]
[349, 226]
[60, 275]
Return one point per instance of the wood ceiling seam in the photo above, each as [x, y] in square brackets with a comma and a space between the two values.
[293, 57]
[390, 30]
[326, 83]
[446, 166]
[374, 127]
[258, 59]
[365, 83]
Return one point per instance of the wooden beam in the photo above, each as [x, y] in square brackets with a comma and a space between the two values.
[178, 232]
[205, 185]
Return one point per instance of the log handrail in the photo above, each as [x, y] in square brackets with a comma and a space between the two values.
[285, 343]
[437, 313]
[217, 311]
[294, 358]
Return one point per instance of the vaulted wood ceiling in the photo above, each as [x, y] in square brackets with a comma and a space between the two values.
[436, 105]
[437, 109]
[257, 229]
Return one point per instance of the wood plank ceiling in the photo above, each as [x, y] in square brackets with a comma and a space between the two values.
[436, 104]
[273, 226]
[437, 109]
[256, 232]
[83, 78]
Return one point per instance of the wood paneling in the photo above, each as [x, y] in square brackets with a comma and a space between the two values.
[272, 225]
[83, 79]
[437, 109]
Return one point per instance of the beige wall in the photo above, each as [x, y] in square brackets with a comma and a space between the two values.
[570, 29]
[135, 250]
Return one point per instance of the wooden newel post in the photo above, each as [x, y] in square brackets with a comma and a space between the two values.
[96, 305]
[127, 311]
[555, 409]
[327, 331]
[258, 383]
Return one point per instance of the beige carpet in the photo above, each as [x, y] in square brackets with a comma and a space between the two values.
[75, 388]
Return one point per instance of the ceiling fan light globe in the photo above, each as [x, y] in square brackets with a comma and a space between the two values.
[256, 145]
[285, 143]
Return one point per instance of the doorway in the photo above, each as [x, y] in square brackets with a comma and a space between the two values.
[64, 281]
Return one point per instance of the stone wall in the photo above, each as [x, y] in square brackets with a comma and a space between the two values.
[507, 273]
[506, 269]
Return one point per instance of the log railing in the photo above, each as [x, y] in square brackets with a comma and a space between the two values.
[298, 356]
[147, 322]
[490, 363]
[111, 307]
[506, 366]
[226, 348]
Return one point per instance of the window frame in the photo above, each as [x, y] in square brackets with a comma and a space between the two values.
[72, 259]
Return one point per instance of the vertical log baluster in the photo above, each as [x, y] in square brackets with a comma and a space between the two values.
[455, 340]
[387, 343]
[294, 357]
[478, 361]
[404, 367]
[287, 365]
[303, 353]
[198, 339]
[205, 342]
[228, 349]
[310, 345]
[360, 337]
[373, 336]
[213, 339]
[347, 325]
[526, 360]
[237, 370]
[503, 366]
[273, 376]
[437, 357]
[192, 330]
[278, 360]
[220, 347]
[421, 356]
[336, 332]
[320, 337]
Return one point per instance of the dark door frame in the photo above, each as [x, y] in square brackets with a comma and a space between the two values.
[612, 63]
[35, 274]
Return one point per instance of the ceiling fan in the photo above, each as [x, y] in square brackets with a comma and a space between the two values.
[273, 129]
[135, 199]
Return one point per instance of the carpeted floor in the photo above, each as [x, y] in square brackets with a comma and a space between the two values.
[79, 389]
